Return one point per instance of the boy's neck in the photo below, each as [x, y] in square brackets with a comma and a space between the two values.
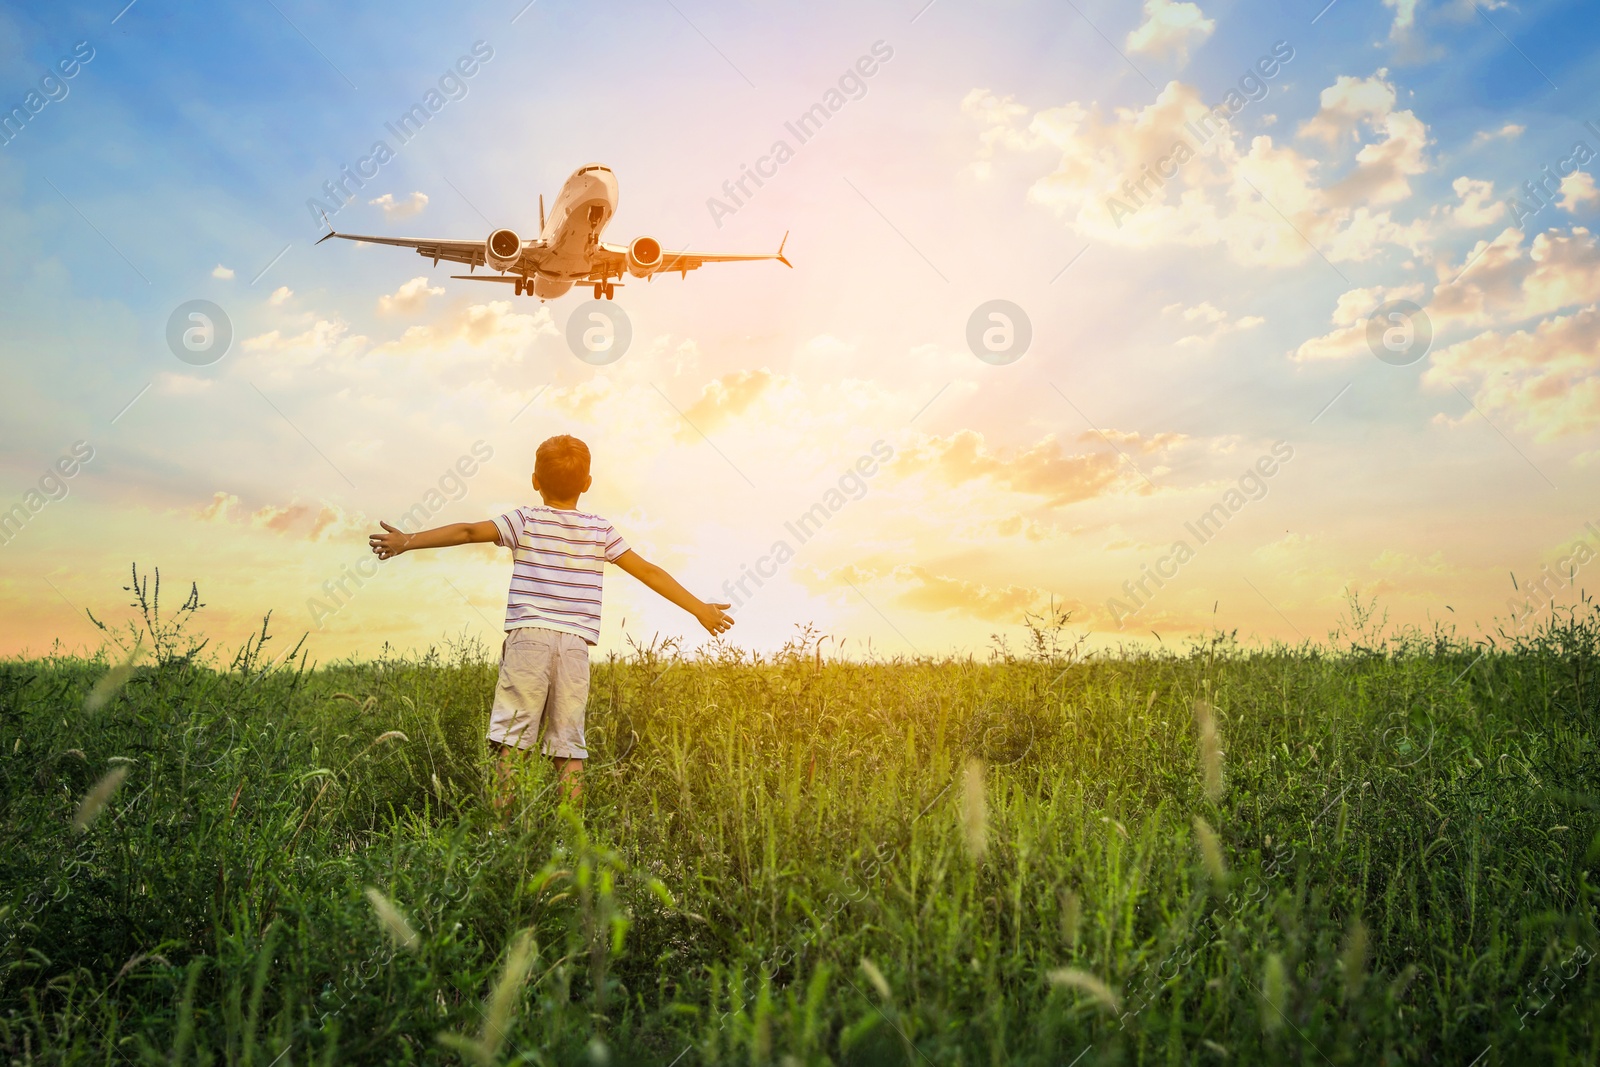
[560, 505]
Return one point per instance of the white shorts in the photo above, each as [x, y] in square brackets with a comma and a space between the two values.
[544, 680]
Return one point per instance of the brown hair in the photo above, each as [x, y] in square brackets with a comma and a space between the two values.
[562, 467]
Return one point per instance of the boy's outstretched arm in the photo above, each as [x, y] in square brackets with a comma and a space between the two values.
[708, 615]
[392, 542]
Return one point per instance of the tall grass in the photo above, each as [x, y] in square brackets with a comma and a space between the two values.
[1382, 849]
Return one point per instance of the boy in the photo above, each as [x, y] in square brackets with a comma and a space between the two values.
[553, 608]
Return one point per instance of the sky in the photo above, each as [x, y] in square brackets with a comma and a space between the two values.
[1308, 295]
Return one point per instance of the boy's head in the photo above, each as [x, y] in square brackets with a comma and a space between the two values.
[561, 468]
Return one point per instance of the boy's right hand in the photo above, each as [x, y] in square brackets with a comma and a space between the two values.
[712, 617]
[389, 543]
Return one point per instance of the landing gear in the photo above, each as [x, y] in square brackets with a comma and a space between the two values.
[611, 291]
[521, 286]
[599, 290]
[605, 290]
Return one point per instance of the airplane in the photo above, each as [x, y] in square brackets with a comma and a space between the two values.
[568, 251]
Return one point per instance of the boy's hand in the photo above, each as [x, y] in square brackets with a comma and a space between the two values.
[712, 618]
[390, 543]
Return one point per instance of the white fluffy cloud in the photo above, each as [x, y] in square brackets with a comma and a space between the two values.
[1578, 192]
[219, 271]
[412, 296]
[400, 209]
[1509, 132]
[1211, 320]
[1137, 178]
[1170, 29]
[1545, 381]
[1503, 281]
[1478, 205]
[1350, 314]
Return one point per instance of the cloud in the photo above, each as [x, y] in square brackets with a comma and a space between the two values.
[280, 296]
[931, 592]
[224, 507]
[1170, 29]
[412, 296]
[1207, 314]
[1350, 314]
[219, 271]
[1407, 30]
[918, 588]
[1348, 105]
[493, 333]
[279, 519]
[581, 400]
[312, 522]
[1502, 282]
[1509, 132]
[1478, 206]
[1577, 192]
[324, 337]
[1044, 469]
[725, 398]
[1545, 380]
[400, 209]
[1140, 178]
[1405, 17]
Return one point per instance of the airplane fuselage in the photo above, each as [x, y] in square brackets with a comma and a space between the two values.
[573, 226]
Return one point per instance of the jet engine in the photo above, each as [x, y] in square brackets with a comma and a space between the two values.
[503, 248]
[644, 256]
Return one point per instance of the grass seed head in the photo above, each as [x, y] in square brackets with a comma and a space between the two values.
[1210, 852]
[1205, 720]
[974, 812]
[393, 921]
[1354, 958]
[507, 991]
[1071, 917]
[875, 976]
[1085, 982]
[391, 735]
[111, 683]
[95, 800]
[1275, 991]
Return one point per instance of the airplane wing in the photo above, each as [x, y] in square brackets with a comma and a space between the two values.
[469, 252]
[614, 259]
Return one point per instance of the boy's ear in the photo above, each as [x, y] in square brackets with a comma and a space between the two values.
[536, 483]
[587, 482]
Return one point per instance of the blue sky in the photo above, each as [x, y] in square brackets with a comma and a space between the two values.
[1166, 359]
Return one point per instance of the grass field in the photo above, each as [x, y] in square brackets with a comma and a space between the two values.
[1378, 850]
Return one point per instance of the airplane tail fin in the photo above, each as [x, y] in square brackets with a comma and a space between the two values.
[541, 214]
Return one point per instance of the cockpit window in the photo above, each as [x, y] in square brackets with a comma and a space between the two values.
[597, 166]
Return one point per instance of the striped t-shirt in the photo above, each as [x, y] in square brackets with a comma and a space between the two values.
[558, 561]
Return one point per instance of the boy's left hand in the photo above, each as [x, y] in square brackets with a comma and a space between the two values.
[389, 543]
[712, 617]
